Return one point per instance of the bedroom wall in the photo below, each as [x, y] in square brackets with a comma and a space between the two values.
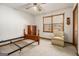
[12, 22]
[67, 29]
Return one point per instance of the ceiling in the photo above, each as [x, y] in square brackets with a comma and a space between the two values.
[47, 7]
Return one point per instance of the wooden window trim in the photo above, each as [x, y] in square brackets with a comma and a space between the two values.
[52, 22]
[47, 31]
[47, 24]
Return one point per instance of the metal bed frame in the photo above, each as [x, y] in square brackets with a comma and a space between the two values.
[31, 34]
[19, 47]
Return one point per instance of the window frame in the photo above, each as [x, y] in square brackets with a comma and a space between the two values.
[52, 22]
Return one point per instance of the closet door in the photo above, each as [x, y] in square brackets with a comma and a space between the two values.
[75, 26]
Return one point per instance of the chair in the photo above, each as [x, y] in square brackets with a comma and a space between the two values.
[58, 38]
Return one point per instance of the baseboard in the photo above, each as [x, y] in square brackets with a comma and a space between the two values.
[16, 38]
[68, 42]
[45, 38]
[77, 54]
[11, 39]
[50, 39]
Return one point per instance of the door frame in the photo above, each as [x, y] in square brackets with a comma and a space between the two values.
[76, 7]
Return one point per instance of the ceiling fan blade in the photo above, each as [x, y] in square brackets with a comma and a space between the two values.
[39, 8]
[43, 3]
[37, 5]
[29, 6]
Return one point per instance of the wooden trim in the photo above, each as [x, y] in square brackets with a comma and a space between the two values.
[58, 14]
[43, 24]
[69, 42]
[46, 16]
[50, 25]
[53, 15]
[47, 24]
[63, 22]
[73, 29]
[52, 22]
[45, 38]
[73, 23]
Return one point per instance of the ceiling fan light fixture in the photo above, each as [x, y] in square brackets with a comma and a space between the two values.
[35, 8]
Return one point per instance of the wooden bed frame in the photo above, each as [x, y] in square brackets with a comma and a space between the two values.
[32, 33]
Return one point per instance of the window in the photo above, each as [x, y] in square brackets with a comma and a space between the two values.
[53, 23]
[47, 24]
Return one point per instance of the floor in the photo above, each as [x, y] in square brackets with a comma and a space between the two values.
[44, 49]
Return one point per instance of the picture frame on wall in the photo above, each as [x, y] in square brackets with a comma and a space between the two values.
[68, 20]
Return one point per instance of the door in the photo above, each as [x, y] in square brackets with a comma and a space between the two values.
[75, 26]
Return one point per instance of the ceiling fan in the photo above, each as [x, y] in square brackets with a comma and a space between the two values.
[35, 6]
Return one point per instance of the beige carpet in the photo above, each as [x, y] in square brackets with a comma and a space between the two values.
[44, 49]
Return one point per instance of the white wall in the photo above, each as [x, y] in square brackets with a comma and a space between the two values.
[68, 30]
[12, 22]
